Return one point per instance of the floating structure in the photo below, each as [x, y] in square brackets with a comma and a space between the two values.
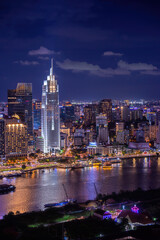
[107, 165]
[63, 203]
[6, 188]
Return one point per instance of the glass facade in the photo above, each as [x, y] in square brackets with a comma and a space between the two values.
[20, 103]
[36, 114]
[50, 121]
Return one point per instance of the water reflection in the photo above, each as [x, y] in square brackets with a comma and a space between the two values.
[40, 187]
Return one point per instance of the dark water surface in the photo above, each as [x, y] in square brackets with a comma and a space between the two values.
[36, 189]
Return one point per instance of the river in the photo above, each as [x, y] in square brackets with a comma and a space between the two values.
[41, 187]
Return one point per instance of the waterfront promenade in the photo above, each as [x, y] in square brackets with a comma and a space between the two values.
[18, 169]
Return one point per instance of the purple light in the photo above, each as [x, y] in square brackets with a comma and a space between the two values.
[135, 209]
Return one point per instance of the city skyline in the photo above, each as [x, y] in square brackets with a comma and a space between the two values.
[101, 49]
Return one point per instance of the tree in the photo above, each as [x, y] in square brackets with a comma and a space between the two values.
[23, 166]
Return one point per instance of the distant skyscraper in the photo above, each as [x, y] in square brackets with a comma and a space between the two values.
[2, 136]
[119, 127]
[67, 112]
[105, 107]
[125, 113]
[88, 115]
[50, 122]
[3, 108]
[20, 103]
[36, 114]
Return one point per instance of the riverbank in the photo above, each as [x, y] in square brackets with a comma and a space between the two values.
[139, 156]
[18, 171]
[77, 222]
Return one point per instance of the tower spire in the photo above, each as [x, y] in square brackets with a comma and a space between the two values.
[51, 70]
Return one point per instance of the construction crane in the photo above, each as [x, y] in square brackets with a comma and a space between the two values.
[65, 191]
[95, 189]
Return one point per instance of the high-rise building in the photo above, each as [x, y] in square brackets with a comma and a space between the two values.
[158, 134]
[88, 115]
[151, 117]
[120, 137]
[36, 114]
[101, 120]
[158, 117]
[125, 113]
[13, 137]
[105, 107]
[4, 108]
[20, 103]
[153, 132]
[2, 136]
[16, 140]
[140, 135]
[103, 136]
[119, 127]
[136, 114]
[77, 111]
[116, 114]
[50, 121]
[67, 112]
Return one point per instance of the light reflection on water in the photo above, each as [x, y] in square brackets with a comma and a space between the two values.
[36, 189]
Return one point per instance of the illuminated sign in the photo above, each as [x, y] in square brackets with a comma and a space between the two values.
[93, 144]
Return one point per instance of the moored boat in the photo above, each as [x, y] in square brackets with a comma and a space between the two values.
[60, 204]
[107, 165]
[5, 188]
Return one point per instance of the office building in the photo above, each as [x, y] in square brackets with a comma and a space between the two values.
[136, 114]
[119, 127]
[125, 113]
[103, 136]
[4, 108]
[105, 107]
[67, 112]
[88, 115]
[2, 137]
[16, 137]
[101, 120]
[36, 114]
[39, 144]
[50, 121]
[20, 103]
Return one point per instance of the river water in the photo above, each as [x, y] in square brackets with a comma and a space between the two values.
[41, 187]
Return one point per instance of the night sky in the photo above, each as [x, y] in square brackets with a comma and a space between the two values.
[101, 48]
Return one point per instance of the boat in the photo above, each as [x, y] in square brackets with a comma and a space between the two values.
[107, 165]
[97, 163]
[63, 203]
[60, 204]
[5, 188]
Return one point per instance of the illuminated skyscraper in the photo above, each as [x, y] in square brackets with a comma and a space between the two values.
[20, 103]
[50, 122]
[16, 139]
[106, 108]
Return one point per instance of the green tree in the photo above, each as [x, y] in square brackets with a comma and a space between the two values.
[23, 166]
